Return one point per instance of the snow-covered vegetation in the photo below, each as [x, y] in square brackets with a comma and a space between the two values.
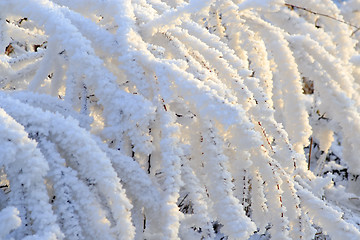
[173, 119]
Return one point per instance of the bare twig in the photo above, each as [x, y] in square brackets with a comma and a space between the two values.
[182, 201]
[357, 28]
[149, 164]
[311, 143]
[267, 139]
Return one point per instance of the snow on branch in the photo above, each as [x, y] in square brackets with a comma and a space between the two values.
[179, 119]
